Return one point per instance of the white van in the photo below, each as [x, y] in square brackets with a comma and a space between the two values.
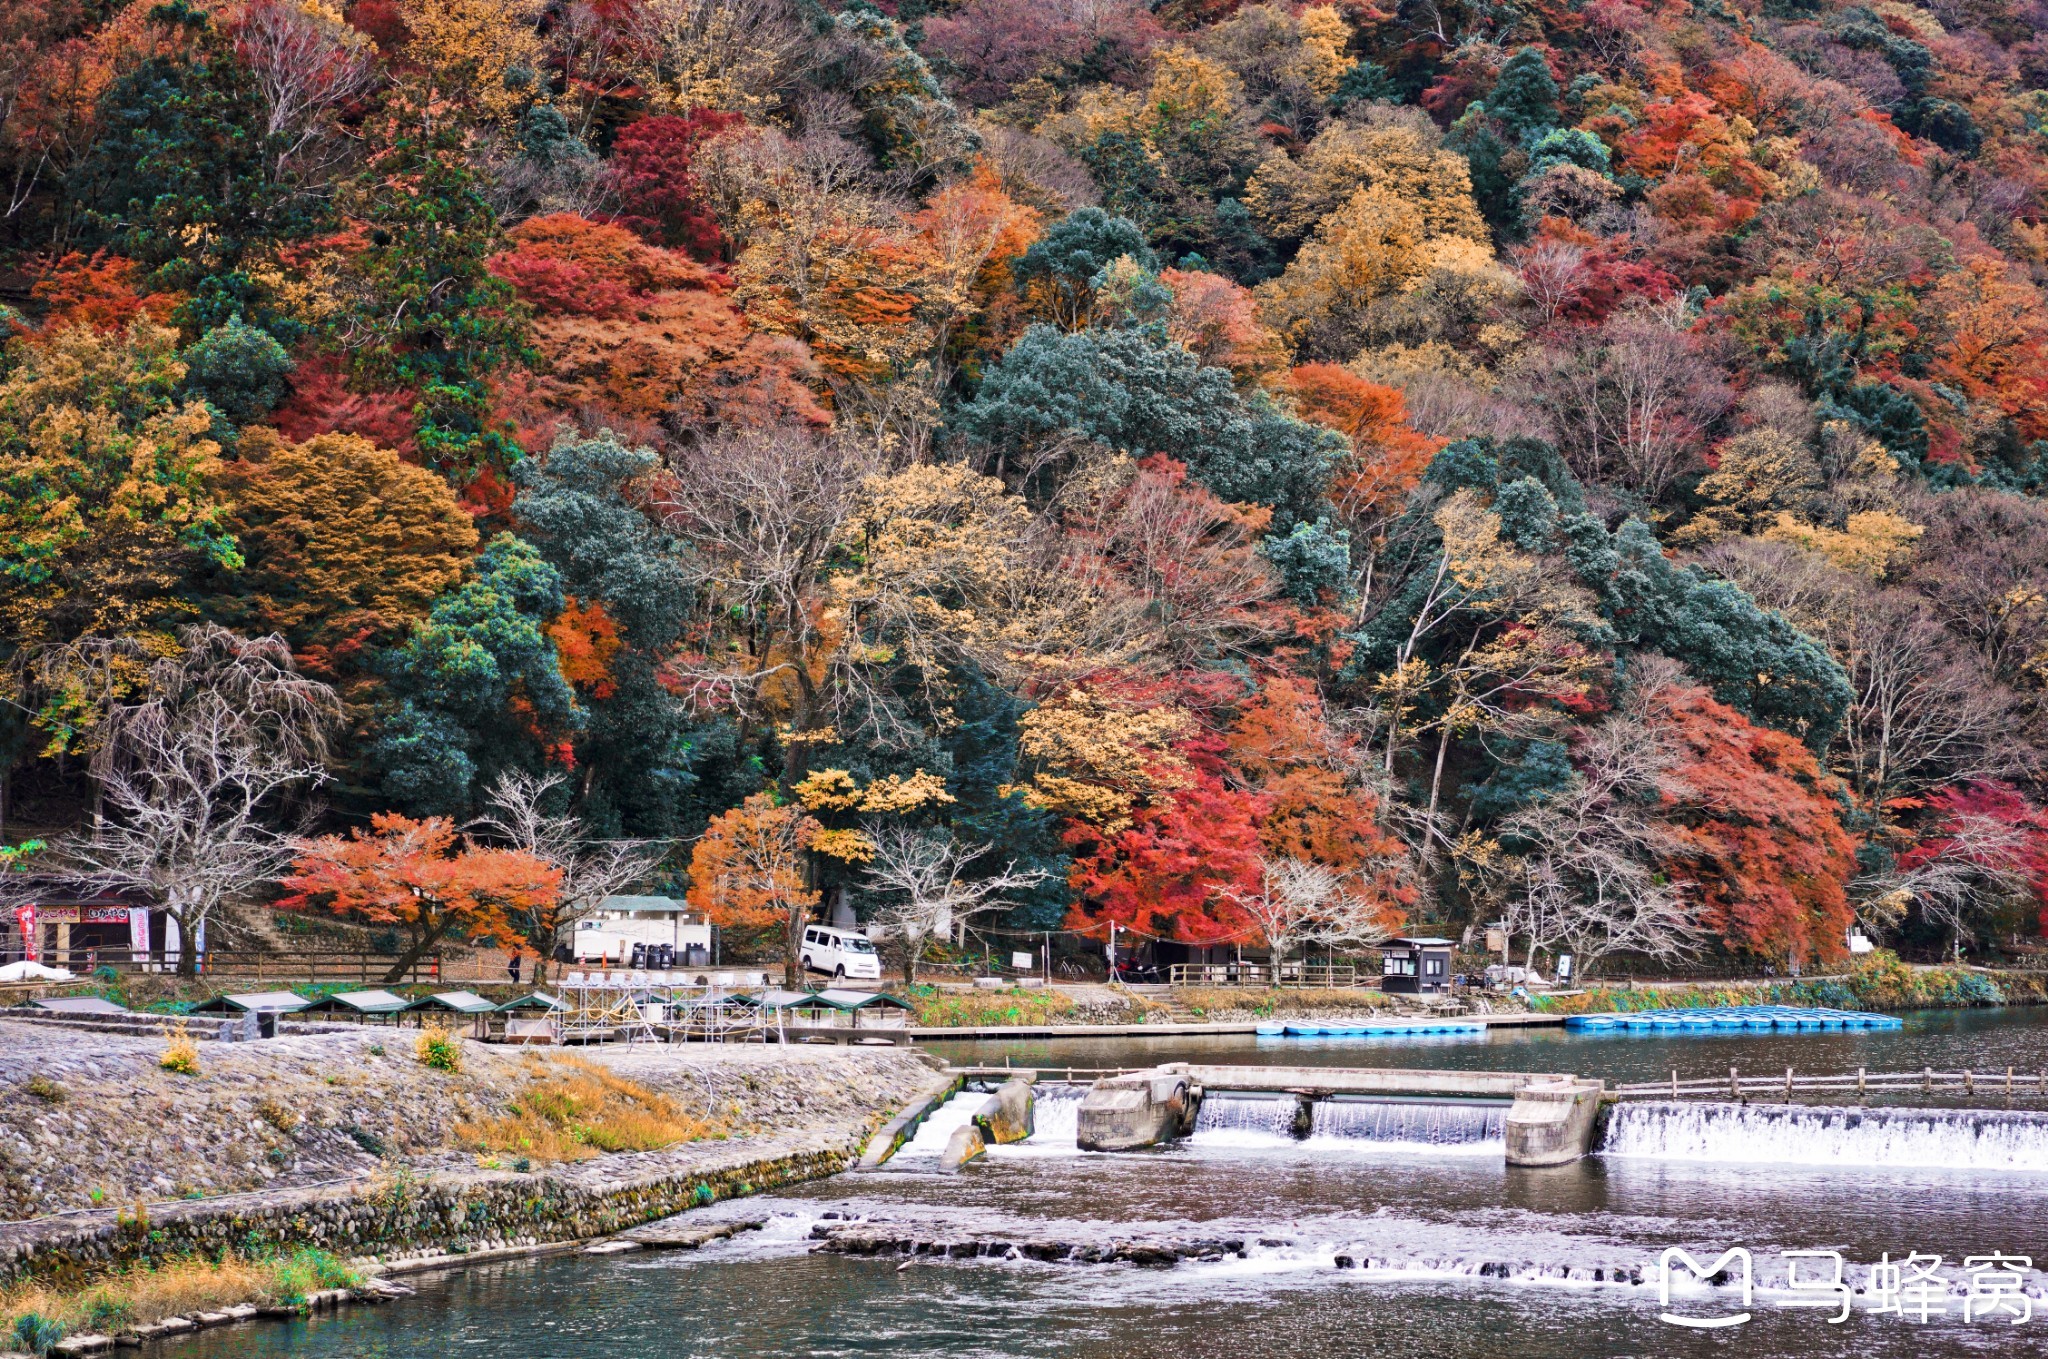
[844, 953]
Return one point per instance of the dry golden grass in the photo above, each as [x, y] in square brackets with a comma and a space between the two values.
[176, 1288]
[572, 1109]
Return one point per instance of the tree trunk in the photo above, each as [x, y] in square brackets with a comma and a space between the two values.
[792, 966]
[415, 951]
[1436, 779]
[188, 949]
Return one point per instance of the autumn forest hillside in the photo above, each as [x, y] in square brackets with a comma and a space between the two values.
[1254, 473]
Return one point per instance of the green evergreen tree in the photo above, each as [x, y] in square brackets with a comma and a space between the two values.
[580, 506]
[440, 321]
[177, 176]
[1135, 390]
[237, 369]
[1074, 251]
[1524, 96]
[478, 687]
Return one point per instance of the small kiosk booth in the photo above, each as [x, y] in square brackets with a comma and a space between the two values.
[532, 1018]
[1415, 966]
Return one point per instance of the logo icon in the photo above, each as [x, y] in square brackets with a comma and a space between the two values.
[1674, 1256]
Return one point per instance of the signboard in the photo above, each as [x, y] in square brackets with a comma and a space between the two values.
[84, 915]
[1023, 962]
[31, 932]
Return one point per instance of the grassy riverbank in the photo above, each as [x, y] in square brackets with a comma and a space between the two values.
[35, 1316]
[1020, 1006]
[1879, 981]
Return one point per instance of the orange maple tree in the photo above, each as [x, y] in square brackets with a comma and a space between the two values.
[1282, 745]
[1765, 851]
[420, 877]
[748, 872]
[1387, 454]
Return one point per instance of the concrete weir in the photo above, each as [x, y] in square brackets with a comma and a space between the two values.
[1549, 1122]
[1124, 1113]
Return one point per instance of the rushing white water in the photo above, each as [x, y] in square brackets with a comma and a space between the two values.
[1245, 1120]
[1355, 1124]
[1783, 1134]
[1437, 1124]
[1056, 1115]
[940, 1124]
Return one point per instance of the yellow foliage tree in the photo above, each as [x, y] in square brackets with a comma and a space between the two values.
[462, 52]
[1757, 476]
[343, 541]
[1374, 245]
[1289, 195]
[1873, 543]
[106, 487]
[1098, 756]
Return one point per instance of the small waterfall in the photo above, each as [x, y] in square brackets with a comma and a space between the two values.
[1436, 1124]
[1235, 1119]
[1055, 1114]
[1263, 1120]
[940, 1124]
[1785, 1134]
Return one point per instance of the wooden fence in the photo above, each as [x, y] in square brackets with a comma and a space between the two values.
[1862, 1081]
[1290, 975]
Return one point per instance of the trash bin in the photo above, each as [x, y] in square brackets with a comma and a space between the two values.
[696, 955]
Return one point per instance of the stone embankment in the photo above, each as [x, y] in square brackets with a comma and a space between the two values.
[347, 1142]
[92, 1120]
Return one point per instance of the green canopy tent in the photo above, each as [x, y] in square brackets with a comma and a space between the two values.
[841, 1014]
[260, 1010]
[449, 1006]
[359, 1006]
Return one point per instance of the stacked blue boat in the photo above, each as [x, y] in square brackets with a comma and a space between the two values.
[1777, 1018]
[1365, 1030]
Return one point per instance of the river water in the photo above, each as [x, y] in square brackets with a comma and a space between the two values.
[1454, 1255]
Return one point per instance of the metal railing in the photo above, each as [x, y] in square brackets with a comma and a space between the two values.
[1289, 975]
[1862, 1081]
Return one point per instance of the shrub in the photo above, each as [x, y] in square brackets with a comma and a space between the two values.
[181, 1055]
[45, 1089]
[438, 1049]
[106, 1312]
[303, 1272]
[970, 1009]
[1876, 981]
[276, 1115]
[366, 1139]
[37, 1334]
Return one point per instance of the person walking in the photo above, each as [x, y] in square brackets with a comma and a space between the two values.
[513, 968]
